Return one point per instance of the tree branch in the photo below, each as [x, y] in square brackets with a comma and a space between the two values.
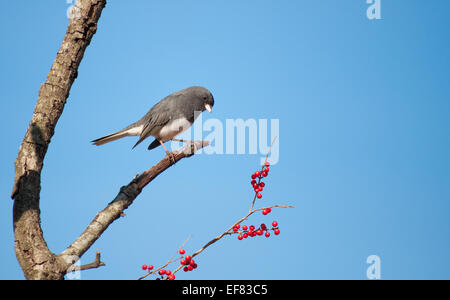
[97, 263]
[36, 260]
[122, 201]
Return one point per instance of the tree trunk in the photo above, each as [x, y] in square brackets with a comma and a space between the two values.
[36, 260]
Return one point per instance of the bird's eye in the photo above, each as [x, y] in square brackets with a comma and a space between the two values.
[205, 97]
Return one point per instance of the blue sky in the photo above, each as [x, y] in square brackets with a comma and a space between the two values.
[364, 142]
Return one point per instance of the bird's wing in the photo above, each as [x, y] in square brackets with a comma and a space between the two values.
[156, 118]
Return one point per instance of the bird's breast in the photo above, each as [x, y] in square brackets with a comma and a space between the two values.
[173, 128]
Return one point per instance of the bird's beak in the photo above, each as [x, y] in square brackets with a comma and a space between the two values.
[208, 107]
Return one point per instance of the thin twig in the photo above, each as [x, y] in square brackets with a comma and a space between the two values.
[93, 265]
[229, 231]
[171, 260]
[259, 179]
[231, 228]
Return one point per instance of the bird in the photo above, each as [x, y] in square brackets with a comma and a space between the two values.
[167, 118]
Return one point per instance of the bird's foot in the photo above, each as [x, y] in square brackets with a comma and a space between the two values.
[171, 157]
[188, 148]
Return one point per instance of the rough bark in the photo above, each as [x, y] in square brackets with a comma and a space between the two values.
[36, 260]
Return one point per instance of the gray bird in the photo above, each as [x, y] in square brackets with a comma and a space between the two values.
[167, 118]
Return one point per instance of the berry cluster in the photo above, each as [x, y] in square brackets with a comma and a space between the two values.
[258, 186]
[161, 272]
[188, 262]
[149, 267]
[251, 231]
[242, 231]
[169, 274]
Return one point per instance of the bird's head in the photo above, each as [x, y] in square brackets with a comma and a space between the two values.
[203, 97]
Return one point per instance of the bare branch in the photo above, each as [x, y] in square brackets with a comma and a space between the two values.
[123, 200]
[171, 260]
[93, 265]
[227, 232]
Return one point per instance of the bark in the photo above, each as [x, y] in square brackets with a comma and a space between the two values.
[36, 260]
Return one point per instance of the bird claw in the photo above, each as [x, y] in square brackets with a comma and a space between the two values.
[189, 147]
[171, 157]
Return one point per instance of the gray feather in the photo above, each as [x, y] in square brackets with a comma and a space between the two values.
[110, 138]
[179, 105]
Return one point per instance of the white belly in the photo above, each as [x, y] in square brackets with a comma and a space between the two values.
[173, 128]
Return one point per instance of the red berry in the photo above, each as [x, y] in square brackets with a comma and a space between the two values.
[185, 269]
[259, 196]
[267, 234]
[188, 258]
[168, 272]
[253, 176]
[235, 229]
[244, 227]
[171, 277]
[259, 232]
[240, 237]
[267, 164]
[190, 268]
[144, 267]
[266, 170]
[252, 227]
[255, 185]
[181, 251]
[263, 226]
[237, 226]
[262, 184]
[257, 173]
[269, 210]
[264, 212]
[150, 267]
[253, 182]
[264, 174]
[275, 224]
[162, 272]
[182, 262]
[245, 235]
[276, 231]
[192, 262]
[194, 266]
[260, 189]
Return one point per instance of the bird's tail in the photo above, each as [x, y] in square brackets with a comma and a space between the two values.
[111, 137]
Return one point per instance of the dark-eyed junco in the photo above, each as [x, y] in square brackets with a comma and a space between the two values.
[166, 119]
